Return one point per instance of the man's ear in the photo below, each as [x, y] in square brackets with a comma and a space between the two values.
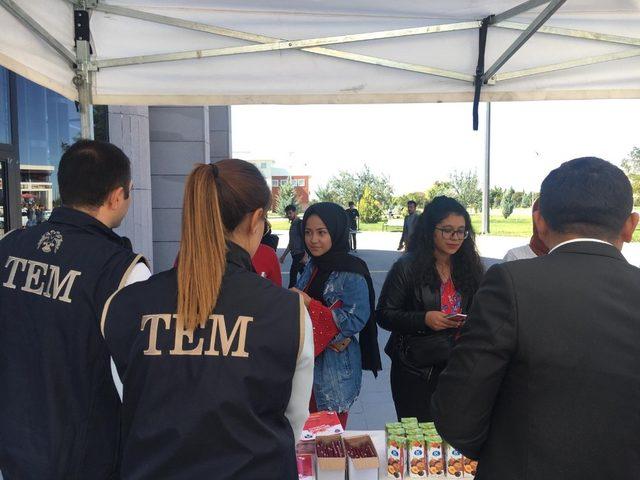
[115, 198]
[541, 225]
[629, 227]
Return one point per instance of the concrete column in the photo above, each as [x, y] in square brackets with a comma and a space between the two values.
[220, 132]
[129, 130]
[179, 138]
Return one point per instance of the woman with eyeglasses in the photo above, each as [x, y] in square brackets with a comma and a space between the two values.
[424, 300]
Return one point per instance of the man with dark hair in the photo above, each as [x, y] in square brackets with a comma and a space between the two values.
[354, 225]
[410, 222]
[59, 411]
[544, 379]
[295, 246]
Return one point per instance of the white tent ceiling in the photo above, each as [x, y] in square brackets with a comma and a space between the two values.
[413, 66]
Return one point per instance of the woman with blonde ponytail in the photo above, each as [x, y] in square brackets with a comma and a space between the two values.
[216, 361]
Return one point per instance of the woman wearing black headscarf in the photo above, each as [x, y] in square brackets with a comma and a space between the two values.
[339, 295]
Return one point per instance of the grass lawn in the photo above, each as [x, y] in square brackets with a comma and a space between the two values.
[517, 225]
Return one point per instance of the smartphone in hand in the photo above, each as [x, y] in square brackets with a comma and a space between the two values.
[456, 317]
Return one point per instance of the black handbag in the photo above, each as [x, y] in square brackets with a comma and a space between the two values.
[423, 351]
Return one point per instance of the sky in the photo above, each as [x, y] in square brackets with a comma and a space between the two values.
[417, 144]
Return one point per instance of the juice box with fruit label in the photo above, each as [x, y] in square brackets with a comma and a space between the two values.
[435, 456]
[427, 425]
[416, 456]
[454, 462]
[393, 425]
[409, 420]
[395, 456]
[470, 467]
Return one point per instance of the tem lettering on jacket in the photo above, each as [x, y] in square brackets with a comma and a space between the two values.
[214, 340]
[39, 278]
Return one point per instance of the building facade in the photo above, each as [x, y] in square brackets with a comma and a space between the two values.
[163, 144]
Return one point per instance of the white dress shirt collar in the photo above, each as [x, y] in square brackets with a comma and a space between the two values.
[597, 240]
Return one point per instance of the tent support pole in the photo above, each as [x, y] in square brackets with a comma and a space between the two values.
[486, 198]
[517, 10]
[552, 8]
[83, 78]
[82, 81]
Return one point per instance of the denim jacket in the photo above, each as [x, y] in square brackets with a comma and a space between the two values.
[337, 376]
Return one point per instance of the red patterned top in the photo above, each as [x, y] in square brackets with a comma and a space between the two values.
[450, 299]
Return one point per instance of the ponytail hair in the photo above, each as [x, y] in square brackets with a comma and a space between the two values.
[217, 197]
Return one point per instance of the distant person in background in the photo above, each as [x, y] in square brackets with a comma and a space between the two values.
[535, 247]
[39, 214]
[410, 222]
[265, 260]
[354, 225]
[295, 246]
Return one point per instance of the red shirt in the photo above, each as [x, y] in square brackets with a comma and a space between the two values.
[265, 261]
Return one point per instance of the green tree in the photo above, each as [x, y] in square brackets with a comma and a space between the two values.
[466, 190]
[286, 196]
[495, 196]
[325, 194]
[517, 199]
[507, 203]
[370, 209]
[437, 189]
[631, 166]
[348, 187]
[527, 200]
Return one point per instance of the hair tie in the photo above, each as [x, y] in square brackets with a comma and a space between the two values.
[214, 168]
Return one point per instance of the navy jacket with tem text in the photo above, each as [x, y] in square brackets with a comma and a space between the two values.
[59, 409]
[209, 403]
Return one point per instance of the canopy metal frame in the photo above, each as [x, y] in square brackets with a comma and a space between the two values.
[85, 66]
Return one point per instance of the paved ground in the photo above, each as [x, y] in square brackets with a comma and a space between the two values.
[374, 407]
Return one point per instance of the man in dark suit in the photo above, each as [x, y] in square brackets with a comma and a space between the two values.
[545, 380]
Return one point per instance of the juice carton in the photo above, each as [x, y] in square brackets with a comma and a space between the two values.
[416, 456]
[470, 467]
[395, 456]
[454, 462]
[393, 425]
[427, 425]
[435, 456]
[409, 420]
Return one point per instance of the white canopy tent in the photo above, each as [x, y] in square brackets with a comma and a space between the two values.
[159, 52]
[229, 52]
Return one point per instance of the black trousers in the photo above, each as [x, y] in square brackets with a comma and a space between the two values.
[296, 268]
[412, 393]
[352, 241]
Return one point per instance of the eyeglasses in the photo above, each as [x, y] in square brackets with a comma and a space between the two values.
[451, 234]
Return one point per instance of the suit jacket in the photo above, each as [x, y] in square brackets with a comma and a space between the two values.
[545, 379]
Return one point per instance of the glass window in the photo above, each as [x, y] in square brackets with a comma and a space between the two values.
[5, 114]
[3, 204]
[47, 124]
[301, 182]
[274, 183]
